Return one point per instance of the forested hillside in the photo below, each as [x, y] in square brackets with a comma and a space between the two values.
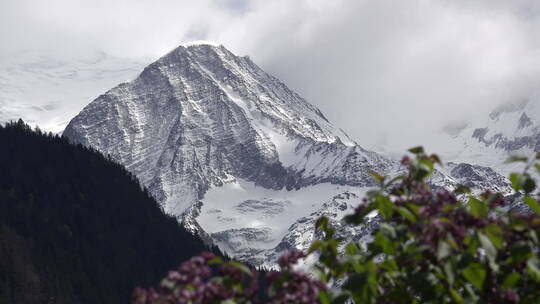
[76, 227]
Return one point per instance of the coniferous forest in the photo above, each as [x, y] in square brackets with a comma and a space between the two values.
[75, 227]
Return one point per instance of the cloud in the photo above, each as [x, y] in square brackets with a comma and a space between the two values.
[391, 73]
[129, 28]
[395, 73]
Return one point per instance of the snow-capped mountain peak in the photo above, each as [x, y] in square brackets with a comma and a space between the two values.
[231, 151]
[201, 116]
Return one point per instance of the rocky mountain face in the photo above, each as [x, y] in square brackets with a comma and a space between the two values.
[235, 154]
[477, 177]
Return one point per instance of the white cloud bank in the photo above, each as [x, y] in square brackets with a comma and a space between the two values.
[392, 73]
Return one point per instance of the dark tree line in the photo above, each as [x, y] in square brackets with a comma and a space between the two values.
[76, 227]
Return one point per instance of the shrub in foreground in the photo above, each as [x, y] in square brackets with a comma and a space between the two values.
[431, 246]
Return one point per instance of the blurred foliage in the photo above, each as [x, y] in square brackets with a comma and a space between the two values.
[437, 246]
[431, 246]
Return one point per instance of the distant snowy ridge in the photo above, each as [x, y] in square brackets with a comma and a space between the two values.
[512, 129]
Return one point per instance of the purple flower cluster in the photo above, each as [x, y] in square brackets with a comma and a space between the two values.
[293, 286]
[296, 288]
[290, 258]
[192, 282]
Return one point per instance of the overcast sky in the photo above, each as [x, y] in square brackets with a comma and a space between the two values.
[388, 72]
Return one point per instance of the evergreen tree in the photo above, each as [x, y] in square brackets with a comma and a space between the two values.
[76, 227]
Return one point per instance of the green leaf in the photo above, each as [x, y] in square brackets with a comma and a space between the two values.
[495, 235]
[395, 179]
[488, 246]
[522, 181]
[476, 274]
[323, 297]
[456, 296]
[515, 180]
[322, 223]
[478, 208]
[462, 189]
[390, 265]
[355, 219]
[537, 166]
[387, 229]
[514, 159]
[435, 158]
[315, 245]
[443, 250]
[407, 214]
[533, 268]
[511, 280]
[417, 150]
[387, 246]
[528, 184]
[449, 272]
[216, 260]
[358, 285]
[351, 248]
[426, 165]
[240, 267]
[490, 250]
[379, 178]
[385, 206]
[473, 297]
[414, 208]
[533, 236]
[532, 203]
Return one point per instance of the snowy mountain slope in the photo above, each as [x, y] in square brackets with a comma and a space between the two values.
[49, 89]
[231, 151]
